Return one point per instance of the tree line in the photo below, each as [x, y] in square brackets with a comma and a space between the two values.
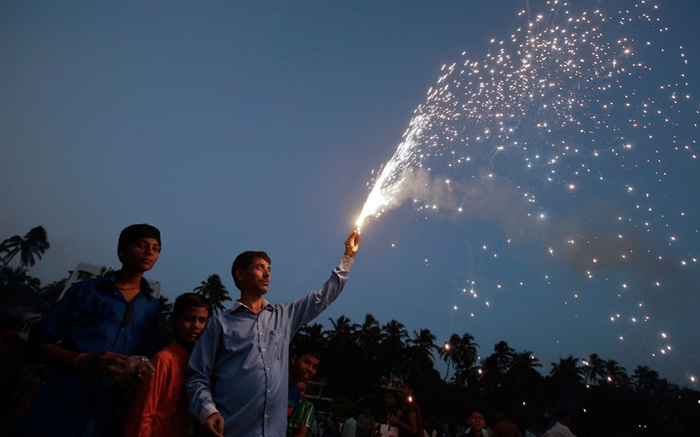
[598, 392]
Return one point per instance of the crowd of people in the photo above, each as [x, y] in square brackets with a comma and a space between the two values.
[225, 374]
[401, 416]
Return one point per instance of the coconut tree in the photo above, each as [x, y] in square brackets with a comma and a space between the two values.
[523, 382]
[30, 247]
[422, 345]
[459, 352]
[312, 333]
[594, 369]
[495, 366]
[214, 290]
[567, 373]
[393, 347]
[341, 333]
[615, 374]
[368, 335]
[645, 380]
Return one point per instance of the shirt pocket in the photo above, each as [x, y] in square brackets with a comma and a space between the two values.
[96, 309]
[278, 343]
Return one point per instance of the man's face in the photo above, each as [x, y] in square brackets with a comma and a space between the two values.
[305, 366]
[256, 278]
[476, 422]
[140, 255]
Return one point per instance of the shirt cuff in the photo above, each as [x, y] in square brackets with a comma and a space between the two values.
[207, 410]
[346, 263]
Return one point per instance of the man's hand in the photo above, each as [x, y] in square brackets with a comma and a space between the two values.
[352, 244]
[106, 363]
[214, 425]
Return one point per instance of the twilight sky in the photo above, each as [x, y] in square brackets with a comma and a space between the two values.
[239, 126]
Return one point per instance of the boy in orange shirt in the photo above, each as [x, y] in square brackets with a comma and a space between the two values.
[159, 406]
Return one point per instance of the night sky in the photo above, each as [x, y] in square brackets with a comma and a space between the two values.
[555, 208]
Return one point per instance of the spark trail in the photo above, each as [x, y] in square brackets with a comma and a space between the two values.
[575, 132]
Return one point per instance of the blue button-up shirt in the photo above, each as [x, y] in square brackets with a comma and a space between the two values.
[239, 366]
[93, 317]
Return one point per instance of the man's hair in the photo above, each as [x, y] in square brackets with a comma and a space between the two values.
[244, 260]
[477, 409]
[189, 300]
[134, 232]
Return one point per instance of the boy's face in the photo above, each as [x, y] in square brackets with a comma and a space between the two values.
[476, 422]
[305, 366]
[301, 385]
[140, 255]
[256, 278]
[189, 325]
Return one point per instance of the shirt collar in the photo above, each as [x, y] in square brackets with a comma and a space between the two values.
[178, 349]
[107, 283]
[237, 305]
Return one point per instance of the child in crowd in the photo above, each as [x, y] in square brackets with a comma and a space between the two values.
[159, 406]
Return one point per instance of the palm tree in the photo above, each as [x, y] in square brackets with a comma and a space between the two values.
[525, 360]
[523, 381]
[215, 291]
[460, 352]
[31, 246]
[646, 380]
[165, 307]
[312, 333]
[342, 331]
[615, 374]
[567, 373]
[594, 369]
[368, 338]
[503, 356]
[422, 345]
[369, 334]
[393, 348]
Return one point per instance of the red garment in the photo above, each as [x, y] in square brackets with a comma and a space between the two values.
[409, 407]
[159, 405]
[506, 428]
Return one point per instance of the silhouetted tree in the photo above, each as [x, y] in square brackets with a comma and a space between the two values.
[215, 291]
[594, 369]
[33, 245]
[460, 352]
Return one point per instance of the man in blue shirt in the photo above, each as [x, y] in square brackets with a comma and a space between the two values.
[87, 339]
[238, 370]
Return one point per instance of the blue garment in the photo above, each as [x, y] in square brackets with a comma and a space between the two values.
[239, 366]
[93, 317]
